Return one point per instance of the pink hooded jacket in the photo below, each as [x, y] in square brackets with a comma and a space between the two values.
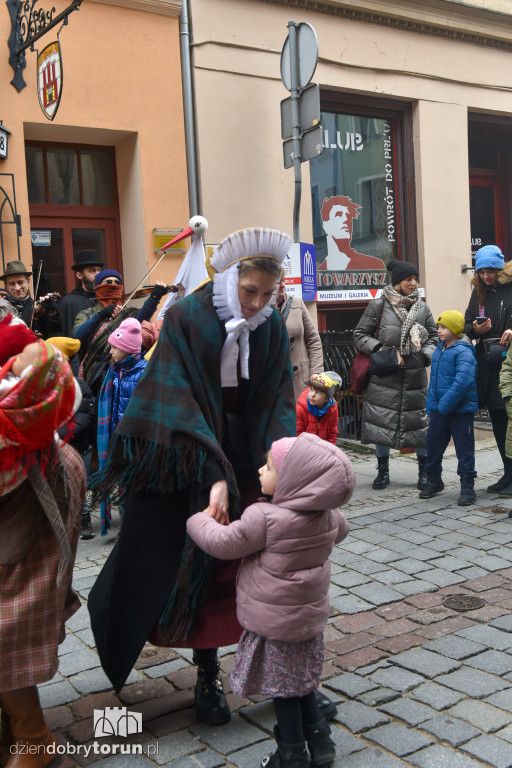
[283, 580]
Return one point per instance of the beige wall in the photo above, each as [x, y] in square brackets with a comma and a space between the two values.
[237, 49]
[122, 88]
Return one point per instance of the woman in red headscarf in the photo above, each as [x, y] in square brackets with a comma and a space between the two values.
[41, 498]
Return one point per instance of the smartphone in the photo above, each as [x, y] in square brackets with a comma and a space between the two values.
[481, 320]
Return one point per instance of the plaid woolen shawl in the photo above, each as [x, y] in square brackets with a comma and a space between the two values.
[173, 422]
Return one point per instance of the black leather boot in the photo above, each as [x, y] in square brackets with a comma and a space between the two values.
[321, 747]
[467, 491]
[326, 707]
[505, 480]
[286, 755]
[433, 486]
[422, 473]
[382, 479]
[211, 705]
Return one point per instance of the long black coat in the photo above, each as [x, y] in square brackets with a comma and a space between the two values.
[498, 306]
[394, 405]
[73, 303]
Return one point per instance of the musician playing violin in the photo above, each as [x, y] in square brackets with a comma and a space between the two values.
[93, 326]
[44, 319]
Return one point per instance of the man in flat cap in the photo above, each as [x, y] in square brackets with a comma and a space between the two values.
[87, 265]
[17, 286]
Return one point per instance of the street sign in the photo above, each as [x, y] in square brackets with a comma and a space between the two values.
[307, 56]
[309, 111]
[311, 145]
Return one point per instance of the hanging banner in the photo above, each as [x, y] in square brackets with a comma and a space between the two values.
[49, 79]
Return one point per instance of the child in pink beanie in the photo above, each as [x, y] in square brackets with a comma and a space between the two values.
[118, 385]
[283, 587]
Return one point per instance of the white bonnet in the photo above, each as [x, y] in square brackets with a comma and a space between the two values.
[247, 243]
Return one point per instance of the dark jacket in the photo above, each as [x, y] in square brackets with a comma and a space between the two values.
[452, 387]
[123, 384]
[83, 420]
[71, 305]
[47, 325]
[394, 405]
[497, 304]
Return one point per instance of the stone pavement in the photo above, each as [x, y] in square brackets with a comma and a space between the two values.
[417, 682]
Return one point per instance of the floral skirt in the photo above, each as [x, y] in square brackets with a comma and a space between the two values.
[275, 668]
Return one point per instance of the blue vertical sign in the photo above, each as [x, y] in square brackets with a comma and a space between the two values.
[308, 271]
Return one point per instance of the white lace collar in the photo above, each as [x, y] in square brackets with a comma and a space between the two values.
[227, 306]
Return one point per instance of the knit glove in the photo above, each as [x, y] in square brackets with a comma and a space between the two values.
[107, 312]
[159, 291]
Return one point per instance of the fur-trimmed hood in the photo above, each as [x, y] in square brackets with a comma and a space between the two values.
[504, 277]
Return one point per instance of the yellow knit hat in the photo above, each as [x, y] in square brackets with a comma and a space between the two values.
[67, 345]
[453, 320]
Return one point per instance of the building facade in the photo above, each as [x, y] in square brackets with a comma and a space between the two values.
[416, 116]
[110, 167]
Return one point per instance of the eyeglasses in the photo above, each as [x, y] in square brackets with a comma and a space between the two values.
[112, 281]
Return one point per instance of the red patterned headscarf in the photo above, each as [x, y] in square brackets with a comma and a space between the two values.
[32, 410]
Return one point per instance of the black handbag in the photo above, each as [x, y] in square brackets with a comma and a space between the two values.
[495, 353]
[384, 361]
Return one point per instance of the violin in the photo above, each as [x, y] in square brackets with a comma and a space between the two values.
[39, 308]
[145, 291]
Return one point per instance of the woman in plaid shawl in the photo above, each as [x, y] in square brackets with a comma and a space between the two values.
[215, 394]
[41, 497]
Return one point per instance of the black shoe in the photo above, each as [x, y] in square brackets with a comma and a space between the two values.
[467, 491]
[86, 531]
[433, 486]
[211, 705]
[327, 708]
[500, 485]
[286, 755]
[506, 493]
[422, 473]
[382, 479]
[321, 747]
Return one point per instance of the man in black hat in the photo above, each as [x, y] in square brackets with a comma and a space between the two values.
[45, 320]
[87, 264]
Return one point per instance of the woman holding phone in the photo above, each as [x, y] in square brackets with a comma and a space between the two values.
[489, 316]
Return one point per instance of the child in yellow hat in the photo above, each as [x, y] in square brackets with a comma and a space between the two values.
[451, 405]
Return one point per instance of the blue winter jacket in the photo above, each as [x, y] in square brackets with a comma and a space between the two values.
[123, 383]
[452, 387]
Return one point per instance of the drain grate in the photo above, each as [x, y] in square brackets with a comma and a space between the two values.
[463, 602]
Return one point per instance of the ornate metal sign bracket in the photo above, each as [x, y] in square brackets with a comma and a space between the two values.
[28, 24]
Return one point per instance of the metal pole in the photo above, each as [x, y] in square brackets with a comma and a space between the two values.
[188, 109]
[294, 75]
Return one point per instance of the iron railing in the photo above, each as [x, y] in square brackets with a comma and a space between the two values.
[339, 353]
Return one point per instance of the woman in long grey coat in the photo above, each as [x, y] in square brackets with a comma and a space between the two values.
[394, 413]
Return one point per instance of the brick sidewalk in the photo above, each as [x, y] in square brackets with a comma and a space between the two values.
[418, 683]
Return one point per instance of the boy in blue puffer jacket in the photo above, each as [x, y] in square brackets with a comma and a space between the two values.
[451, 404]
[120, 380]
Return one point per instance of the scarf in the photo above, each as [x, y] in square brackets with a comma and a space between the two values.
[225, 299]
[174, 422]
[110, 293]
[105, 404]
[319, 412]
[413, 334]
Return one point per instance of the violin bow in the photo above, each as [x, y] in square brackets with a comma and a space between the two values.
[36, 288]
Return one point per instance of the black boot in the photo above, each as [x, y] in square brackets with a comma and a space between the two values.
[505, 480]
[422, 473]
[321, 747]
[286, 755]
[211, 705]
[467, 491]
[433, 485]
[382, 479]
[86, 531]
[326, 707]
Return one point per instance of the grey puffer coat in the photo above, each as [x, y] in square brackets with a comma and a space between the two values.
[394, 405]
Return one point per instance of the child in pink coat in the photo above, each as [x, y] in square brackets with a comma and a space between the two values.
[283, 587]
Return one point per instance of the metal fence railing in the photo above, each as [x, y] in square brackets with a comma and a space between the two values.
[339, 353]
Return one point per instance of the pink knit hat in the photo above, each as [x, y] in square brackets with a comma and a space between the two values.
[127, 336]
[280, 450]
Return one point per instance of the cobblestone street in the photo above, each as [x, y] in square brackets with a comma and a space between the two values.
[417, 682]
